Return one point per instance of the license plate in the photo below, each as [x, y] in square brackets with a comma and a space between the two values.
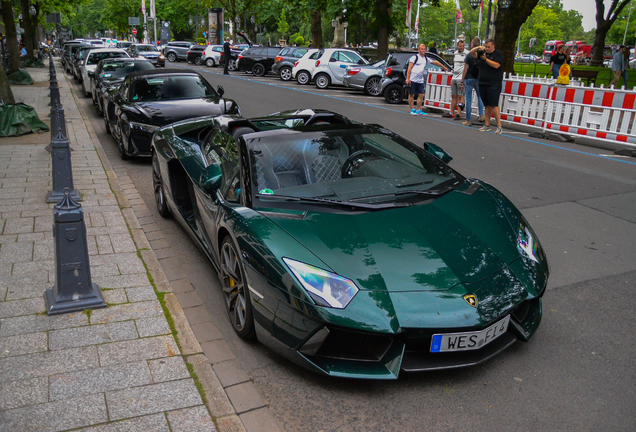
[449, 342]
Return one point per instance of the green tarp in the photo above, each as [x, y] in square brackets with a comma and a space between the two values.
[20, 77]
[37, 63]
[19, 119]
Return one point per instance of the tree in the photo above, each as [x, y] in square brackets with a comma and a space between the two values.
[283, 25]
[603, 24]
[6, 94]
[12, 35]
[507, 26]
[617, 31]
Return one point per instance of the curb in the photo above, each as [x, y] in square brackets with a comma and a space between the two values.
[214, 395]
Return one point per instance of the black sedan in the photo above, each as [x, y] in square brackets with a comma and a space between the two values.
[147, 100]
[110, 73]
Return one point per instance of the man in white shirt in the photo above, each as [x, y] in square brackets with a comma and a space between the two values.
[416, 78]
[457, 82]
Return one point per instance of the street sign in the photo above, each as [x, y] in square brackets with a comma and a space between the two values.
[134, 31]
[133, 21]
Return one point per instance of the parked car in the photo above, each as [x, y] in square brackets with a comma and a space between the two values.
[348, 249]
[393, 84]
[258, 60]
[70, 49]
[212, 55]
[87, 68]
[79, 58]
[331, 64]
[109, 74]
[194, 54]
[235, 51]
[528, 58]
[176, 50]
[98, 43]
[304, 67]
[285, 60]
[148, 52]
[124, 44]
[147, 100]
[365, 77]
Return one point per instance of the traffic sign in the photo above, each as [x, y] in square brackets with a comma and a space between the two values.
[134, 31]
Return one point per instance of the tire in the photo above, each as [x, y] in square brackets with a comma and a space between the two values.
[258, 69]
[237, 297]
[84, 92]
[106, 124]
[122, 150]
[210, 62]
[372, 86]
[231, 66]
[157, 183]
[285, 73]
[322, 81]
[172, 57]
[197, 61]
[394, 93]
[303, 77]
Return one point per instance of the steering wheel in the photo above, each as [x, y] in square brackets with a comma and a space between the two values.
[349, 167]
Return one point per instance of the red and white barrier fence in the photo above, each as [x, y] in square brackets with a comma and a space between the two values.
[606, 114]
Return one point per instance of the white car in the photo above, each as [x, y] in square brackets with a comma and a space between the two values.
[212, 55]
[87, 68]
[332, 64]
[303, 68]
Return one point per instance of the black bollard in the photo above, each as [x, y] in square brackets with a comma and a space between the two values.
[55, 92]
[62, 171]
[73, 290]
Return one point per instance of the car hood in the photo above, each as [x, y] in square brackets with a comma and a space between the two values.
[150, 54]
[161, 113]
[456, 239]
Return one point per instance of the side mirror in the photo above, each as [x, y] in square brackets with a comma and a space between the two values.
[438, 152]
[220, 90]
[211, 178]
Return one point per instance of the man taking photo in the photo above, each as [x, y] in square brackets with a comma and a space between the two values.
[490, 79]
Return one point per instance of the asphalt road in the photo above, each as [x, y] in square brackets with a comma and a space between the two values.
[578, 372]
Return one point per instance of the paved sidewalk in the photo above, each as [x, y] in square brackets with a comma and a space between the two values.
[120, 368]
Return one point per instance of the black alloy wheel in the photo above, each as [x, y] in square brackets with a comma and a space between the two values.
[372, 86]
[231, 66]
[237, 298]
[285, 73]
[394, 93]
[258, 69]
[121, 148]
[172, 57]
[157, 183]
[197, 61]
[303, 77]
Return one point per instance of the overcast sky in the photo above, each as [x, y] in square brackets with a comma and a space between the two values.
[587, 8]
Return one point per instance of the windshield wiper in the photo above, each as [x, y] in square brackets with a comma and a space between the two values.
[434, 192]
[332, 202]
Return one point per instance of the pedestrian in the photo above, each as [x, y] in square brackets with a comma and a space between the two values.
[226, 56]
[457, 82]
[433, 48]
[490, 79]
[470, 76]
[416, 78]
[625, 65]
[618, 65]
[556, 61]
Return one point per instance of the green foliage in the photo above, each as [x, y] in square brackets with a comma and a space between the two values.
[617, 31]
[443, 46]
[283, 25]
[297, 39]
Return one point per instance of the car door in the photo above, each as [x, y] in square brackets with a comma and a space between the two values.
[339, 66]
[270, 58]
[218, 148]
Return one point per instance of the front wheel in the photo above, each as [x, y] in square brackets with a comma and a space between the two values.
[394, 93]
[172, 57]
[157, 183]
[237, 297]
[322, 81]
[209, 62]
[285, 73]
[122, 150]
[303, 77]
[258, 70]
[372, 86]
[231, 66]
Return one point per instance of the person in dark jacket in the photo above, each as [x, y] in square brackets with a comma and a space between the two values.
[490, 81]
[226, 55]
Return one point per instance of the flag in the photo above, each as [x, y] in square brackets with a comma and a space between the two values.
[458, 15]
[417, 17]
[408, 14]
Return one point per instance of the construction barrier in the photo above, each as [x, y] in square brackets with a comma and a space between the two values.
[595, 112]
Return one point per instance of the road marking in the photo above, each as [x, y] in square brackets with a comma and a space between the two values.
[428, 117]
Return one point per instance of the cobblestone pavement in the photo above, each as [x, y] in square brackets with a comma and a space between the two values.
[135, 365]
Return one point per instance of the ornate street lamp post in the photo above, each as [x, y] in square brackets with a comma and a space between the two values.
[501, 4]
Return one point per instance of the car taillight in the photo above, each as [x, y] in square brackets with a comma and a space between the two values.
[278, 58]
[353, 71]
[296, 64]
[388, 71]
[317, 63]
[240, 56]
[189, 52]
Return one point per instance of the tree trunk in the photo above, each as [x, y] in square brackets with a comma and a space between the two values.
[599, 44]
[28, 28]
[507, 25]
[12, 35]
[316, 29]
[384, 24]
[6, 95]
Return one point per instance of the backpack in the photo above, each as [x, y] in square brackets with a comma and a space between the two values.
[406, 66]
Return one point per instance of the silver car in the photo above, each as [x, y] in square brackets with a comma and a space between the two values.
[364, 77]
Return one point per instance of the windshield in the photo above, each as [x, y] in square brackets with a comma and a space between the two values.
[366, 166]
[145, 48]
[121, 69]
[171, 88]
[95, 58]
[549, 48]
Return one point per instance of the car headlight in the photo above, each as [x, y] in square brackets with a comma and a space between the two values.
[143, 127]
[161, 57]
[527, 242]
[326, 288]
